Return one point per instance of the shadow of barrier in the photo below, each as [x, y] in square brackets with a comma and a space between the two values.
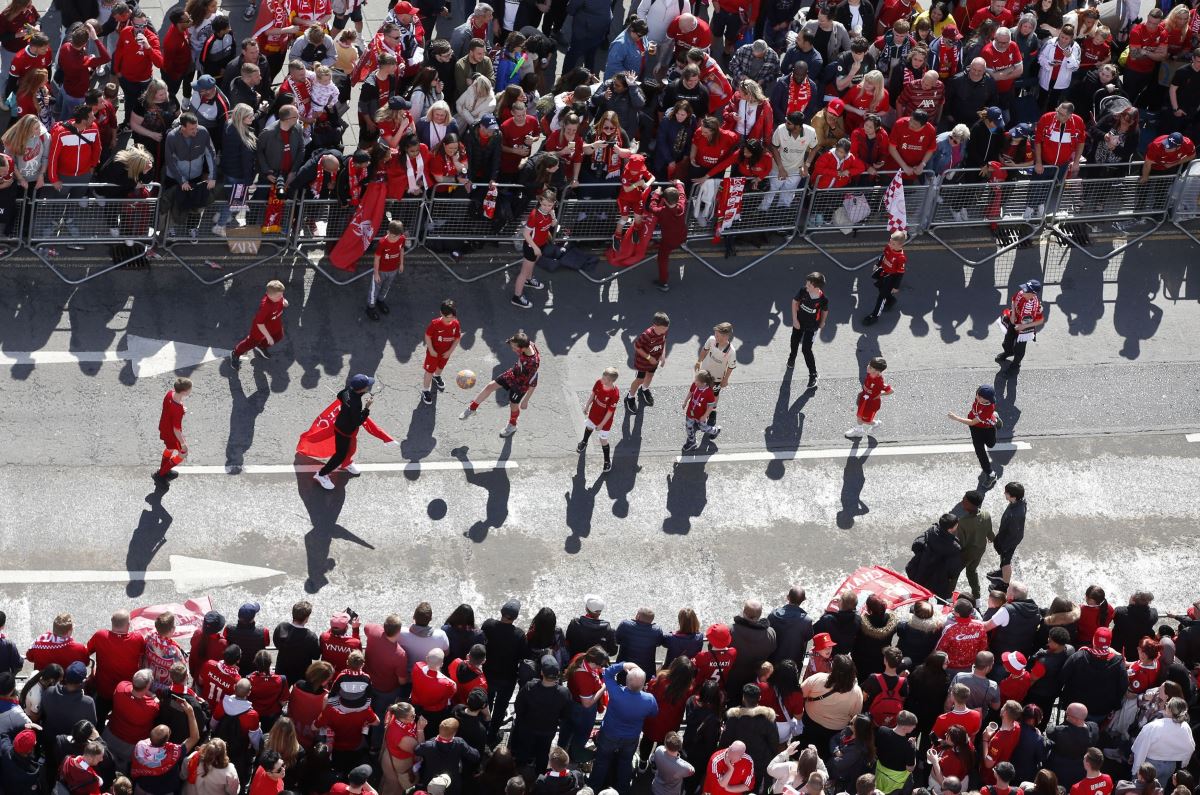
[761, 213]
[456, 220]
[963, 200]
[1103, 193]
[1185, 208]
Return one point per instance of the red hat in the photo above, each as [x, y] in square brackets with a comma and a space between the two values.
[822, 641]
[1102, 639]
[836, 107]
[1014, 661]
[25, 742]
[635, 166]
[950, 32]
[719, 636]
[404, 7]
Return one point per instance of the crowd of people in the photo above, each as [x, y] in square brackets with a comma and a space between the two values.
[985, 692]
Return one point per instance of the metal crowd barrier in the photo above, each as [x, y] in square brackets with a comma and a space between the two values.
[595, 219]
[826, 214]
[454, 220]
[762, 213]
[320, 222]
[1186, 206]
[1112, 193]
[964, 204]
[12, 243]
[244, 234]
[78, 220]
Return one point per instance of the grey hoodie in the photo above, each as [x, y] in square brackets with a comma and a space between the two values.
[419, 641]
[189, 159]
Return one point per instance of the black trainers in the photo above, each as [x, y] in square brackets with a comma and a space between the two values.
[427, 397]
[631, 404]
[371, 313]
[533, 284]
[812, 380]
[646, 396]
[790, 364]
[663, 287]
[235, 361]
[521, 302]
[607, 465]
[989, 480]
[384, 308]
[690, 445]
[439, 383]
[579, 448]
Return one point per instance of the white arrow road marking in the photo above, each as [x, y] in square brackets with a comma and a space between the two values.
[149, 357]
[189, 574]
[1193, 437]
[401, 466]
[861, 451]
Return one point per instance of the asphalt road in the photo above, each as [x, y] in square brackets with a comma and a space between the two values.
[1101, 407]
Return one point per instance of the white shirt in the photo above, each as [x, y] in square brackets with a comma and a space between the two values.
[1070, 63]
[1165, 741]
[718, 361]
[793, 151]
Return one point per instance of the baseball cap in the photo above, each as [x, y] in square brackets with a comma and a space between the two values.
[1022, 130]
[75, 674]
[718, 635]
[438, 784]
[404, 7]
[248, 611]
[511, 608]
[339, 621]
[489, 121]
[25, 742]
[836, 107]
[359, 775]
[205, 83]
[1102, 638]
[822, 641]
[214, 622]
[950, 32]
[593, 603]
[1173, 141]
[398, 103]
[994, 113]
[360, 381]
[1032, 286]
[987, 392]
[550, 666]
[1014, 661]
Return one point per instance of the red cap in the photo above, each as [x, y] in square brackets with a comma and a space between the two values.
[950, 32]
[636, 165]
[404, 7]
[719, 636]
[822, 641]
[1103, 638]
[1014, 661]
[25, 742]
[836, 107]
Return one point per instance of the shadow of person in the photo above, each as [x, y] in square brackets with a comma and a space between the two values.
[620, 480]
[243, 413]
[1135, 316]
[853, 479]
[148, 538]
[581, 504]
[324, 508]
[687, 496]
[1005, 384]
[497, 485]
[787, 425]
[419, 440]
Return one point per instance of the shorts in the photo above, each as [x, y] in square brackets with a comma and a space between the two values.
[627, 206]
[527, 252]
[601, 432]
[339, 20]
[514, 394]
[726, 24]
[646, 371]
[867, 409]
[435, 363]
[1006, 556]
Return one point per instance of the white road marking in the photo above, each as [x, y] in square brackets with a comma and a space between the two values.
[149, 357]
[190, 574]
[402, 466]
[861, 451]
[1193, 437]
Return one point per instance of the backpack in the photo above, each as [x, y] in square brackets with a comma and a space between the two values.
[229, 729]
[887, 705]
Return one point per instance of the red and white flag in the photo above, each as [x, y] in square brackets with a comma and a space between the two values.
[317, 441]
[729, 204]
[893, 200]
[358, 236]
[895, 589]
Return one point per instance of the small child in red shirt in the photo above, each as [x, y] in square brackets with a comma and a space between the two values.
[697, 409]
[715, 661]
[649, 354]
[389, 261]
[1015, 686]
[982, 421]
[170, 430]
[442, 336]
[600, 408]
[870, 398]
[888, 275]
[266, 329]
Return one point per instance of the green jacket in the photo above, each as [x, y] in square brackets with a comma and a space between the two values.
[975, 533]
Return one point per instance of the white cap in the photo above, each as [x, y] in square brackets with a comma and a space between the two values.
[593, 603]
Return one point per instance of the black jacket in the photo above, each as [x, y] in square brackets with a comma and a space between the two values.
[241, 94]
[1187, 642]
[936, 561]
[569, 784]
[505, 650]
[755, 643]
[483, 163]
[352, 414]
[793, 630]
[1021, 632]
[964, 98]
[1131, 623]
[585, 632]
[917, 637]
[10, 657]
[873, 635]
[1098, 682]
[755, 726]
[1068, 744]
[842, 14]
[1045, 690]
[298, 648]
[1012, 521]
[233, 71]
[449, 758]
[20, 774]
[63, 708]
[251, 640]
[302, 184]
[540, 708]
[843, 626]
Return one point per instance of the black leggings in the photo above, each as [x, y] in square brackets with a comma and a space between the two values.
[802, 338]
[341, 449]
[1013, 348]
[982, 438]
[885, 299]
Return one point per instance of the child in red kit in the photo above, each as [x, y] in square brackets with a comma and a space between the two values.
[442, 336]
[1015, 686]
[888, 275]
[982, 419]
[600, 408]
[870, 398]
[631, 199]
[649, 353]
[170, 430]
[520, 380]
[535, 235]
[389, 261]
[715, 661]
[267, 327]
[698, 408]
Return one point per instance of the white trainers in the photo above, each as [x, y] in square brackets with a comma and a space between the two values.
[870, 429]
[467, 412]
[324, 480]
[1027, 214]
[352, 469]
[854, 433]
[218, 230]
[509, 430]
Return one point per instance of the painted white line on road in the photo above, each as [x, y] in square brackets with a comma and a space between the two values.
[189, 574]
[402, 466]
[1193, 437]
[846, 452]
[149, 357]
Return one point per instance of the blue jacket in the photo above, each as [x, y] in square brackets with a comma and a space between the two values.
[627, 710]
[508, 71]
[623, 56]
[942, 155]
[590, 19]
[639, 644]
[671, 133]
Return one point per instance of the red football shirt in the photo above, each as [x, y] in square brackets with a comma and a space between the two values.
[1163, 159]
[557, 143]
[133, 716]
[604, 400]
[216, 679]
[984, 412]
[913, 144]
[1091, 53]
[1057, 141]
[718, 765]
[893, 261]
[653, 344]
[997, 59]
[442, 332]
[539, 223]
[715, 664]
[970, 720]
[1141, 37]
[118, 657]
[513, 134]
[699, 399]
[1003, 20]
[269, 314]
[1100, 785]
[171, 418]
[874, 386]
[348, 727]
[389, 253]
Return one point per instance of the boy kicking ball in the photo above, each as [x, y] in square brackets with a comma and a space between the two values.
[870, 398]
[698, 408]
[600, 408]
[442, 336]
[520, 380]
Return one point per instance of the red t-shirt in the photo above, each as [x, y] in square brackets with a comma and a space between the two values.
[893, 10]
[557, 142]
[970, 720]
[1057, 141]
[715, 156]
[268, 692]
[699, 399]
[348, 726]
[48, 649]
[893, 261]
[390, 252]
[513, 134]
[1001, 748]
[913, 144]
[269, 314]
[171, 418]
[1142, 37]
[714, 664]
[1100, 785]
[1162, 158]
[718, 765]
[649, 343]
[216, 679]
[1091, 53]
[118, 657]
[604, 400]
[984, 412]
[997, 59]
[442, 333]
[539, 224]
[700, 37]
[133, 716]
[1003, 20]
[336, 648]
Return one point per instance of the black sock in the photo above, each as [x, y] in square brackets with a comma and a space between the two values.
[712, 418]
[607, 455]
[587, 434]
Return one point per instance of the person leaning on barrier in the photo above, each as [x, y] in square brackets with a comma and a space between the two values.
[317, 178]
[191, 168]
[281, 147]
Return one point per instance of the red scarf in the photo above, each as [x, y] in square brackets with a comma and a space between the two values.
[729, 204]
[799, 95]
[356, 173]
[608, 155]
[318, 184]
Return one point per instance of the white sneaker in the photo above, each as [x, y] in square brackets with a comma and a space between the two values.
[218, 230]
[854, 433]
[1041, 211]
[1027, 214]
[870, 429]
[467, 412]
[352, 469]
[509, 430]
[324, 480]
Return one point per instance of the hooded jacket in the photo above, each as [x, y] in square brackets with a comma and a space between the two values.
[917, 637]
[793, 630]
[755, 726]
[1047, 687]
[755, 643]
[585, 632]
[20, 774]
[1096, 679]
[936, 561]
[1068, 621]
[843, 626]
[875, 632]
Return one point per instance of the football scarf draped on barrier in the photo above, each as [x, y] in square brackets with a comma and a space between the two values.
[729, 204]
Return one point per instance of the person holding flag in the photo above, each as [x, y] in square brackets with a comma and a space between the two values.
[359, 235]
[339, 423]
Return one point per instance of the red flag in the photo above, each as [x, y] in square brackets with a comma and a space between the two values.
[357, 238]
[272, 14]
[895, 589]
[317, 441]
[893, 200]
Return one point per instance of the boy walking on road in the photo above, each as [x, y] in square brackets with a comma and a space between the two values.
[649, 354]
[170, 430]
[1021, 321]
[442, 336]
[389, 261]
[266, 329]
[870, 398]
[809, 309]
[600, 408]
[982, 419]
[888, 275]
[718, 357]
[697, 410]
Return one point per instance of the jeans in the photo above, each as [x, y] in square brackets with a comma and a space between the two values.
[500, 693]
[67, 105]
[1164, 771]
[72, 188]
[802, 338]
[573, 733]
[224, 215]
[613, 755]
